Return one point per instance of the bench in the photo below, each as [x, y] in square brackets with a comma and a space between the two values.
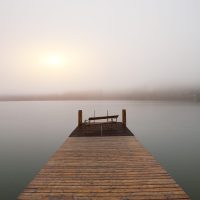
[109, 118]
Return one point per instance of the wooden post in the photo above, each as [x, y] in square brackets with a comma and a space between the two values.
[124, 117]
[79, 117]
[107, 115]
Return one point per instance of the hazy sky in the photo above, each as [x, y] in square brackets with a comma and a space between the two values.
[55, 46]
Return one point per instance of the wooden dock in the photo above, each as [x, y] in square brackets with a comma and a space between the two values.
[102, 162]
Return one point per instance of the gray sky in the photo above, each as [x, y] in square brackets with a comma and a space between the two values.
[55, 46]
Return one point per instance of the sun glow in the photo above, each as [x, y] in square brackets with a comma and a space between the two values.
[55, 60]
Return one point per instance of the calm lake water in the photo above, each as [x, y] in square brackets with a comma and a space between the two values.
[30, 132]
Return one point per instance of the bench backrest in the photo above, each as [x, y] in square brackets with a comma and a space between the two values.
[104, 117]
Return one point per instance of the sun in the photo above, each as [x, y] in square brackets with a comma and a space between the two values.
[55, 61]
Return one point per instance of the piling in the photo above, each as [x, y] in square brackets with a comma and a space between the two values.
[80, 120]
[124, 117]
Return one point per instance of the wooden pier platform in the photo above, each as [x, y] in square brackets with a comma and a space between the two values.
[112, 166]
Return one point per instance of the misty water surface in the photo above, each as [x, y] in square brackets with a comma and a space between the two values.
[30, 132]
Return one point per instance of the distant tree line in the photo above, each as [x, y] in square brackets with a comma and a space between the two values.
[175, 95]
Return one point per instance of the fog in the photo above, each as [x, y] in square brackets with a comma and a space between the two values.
[106, 45]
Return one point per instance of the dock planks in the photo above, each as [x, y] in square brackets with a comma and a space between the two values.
[102, 168]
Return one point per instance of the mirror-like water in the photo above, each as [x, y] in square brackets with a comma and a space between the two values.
[30, 132]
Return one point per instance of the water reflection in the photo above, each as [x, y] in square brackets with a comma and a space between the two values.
[30, 132]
